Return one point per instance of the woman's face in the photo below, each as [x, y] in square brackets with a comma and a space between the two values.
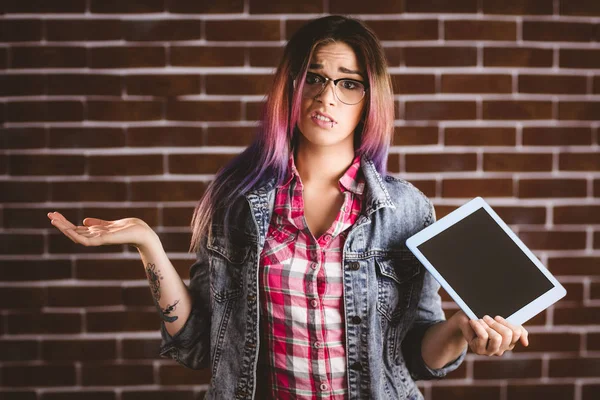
[324, 119]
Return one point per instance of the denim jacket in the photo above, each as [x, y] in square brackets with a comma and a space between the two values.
[394, 297]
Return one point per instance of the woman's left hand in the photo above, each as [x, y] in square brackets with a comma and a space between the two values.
[491, 336]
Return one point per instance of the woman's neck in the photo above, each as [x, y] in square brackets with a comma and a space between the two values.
[322, 166]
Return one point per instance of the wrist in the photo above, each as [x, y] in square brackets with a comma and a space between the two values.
[149, 242]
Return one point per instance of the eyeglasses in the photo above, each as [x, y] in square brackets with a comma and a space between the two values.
[348, 91]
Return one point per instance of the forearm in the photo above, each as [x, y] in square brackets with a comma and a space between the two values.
[169, 292]
[443, 343]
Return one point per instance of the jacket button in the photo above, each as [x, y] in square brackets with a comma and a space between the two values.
[354, 266]
[251, 297]
[356, 319]
[356, 366]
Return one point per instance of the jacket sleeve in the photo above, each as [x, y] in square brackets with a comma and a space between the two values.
[190, 346]
[429, 313]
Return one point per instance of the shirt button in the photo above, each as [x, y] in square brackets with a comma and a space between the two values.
[317, 345]
[314, 303]
[314, 265]
[324, 387]
[327, 237]
[356, 319]
[354, 266]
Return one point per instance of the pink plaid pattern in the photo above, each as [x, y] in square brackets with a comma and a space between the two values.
[302, 293]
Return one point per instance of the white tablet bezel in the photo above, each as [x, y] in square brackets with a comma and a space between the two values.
[526, 312]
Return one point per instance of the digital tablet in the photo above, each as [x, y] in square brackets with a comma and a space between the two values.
[484, 266]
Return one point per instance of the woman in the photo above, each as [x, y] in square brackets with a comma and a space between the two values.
[303, 287]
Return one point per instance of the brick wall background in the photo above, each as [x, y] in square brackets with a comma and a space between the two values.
[127, 108]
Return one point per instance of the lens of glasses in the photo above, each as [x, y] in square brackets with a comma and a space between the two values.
[348, 91]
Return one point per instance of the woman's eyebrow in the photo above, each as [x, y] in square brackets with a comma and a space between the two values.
[340, 69]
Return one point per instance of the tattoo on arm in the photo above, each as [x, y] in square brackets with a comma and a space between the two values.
[154, 278]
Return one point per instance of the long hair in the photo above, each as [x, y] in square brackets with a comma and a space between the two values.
[267, 157]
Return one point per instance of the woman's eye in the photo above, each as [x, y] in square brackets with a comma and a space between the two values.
[312, 79]
[349, 85]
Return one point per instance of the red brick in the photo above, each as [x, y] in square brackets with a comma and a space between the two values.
[590, 391]
[574, 367]
[540, 188]
[24, 192]
[230, 136]
[550, 84]
[116, 375]
[22, 85]
[582, 8]
[165, 136]
[526, 162]
[405, 29]
[413, 84]
[162, 85]
[516, 57]
[441, 6]
[574, 265]
[468, 188]
[428, 187]
[84, 84]
[39, 375]
[519, 391]
[88, 191]
[42, 323]
[41, 164]
[119, 321]
[169, 191]
[204, 111]
[60, 244]
[559, 240]
[23, 138]
[596, 85]
[125, 110]
[80, 393]
[34, 270]
[109, 269]
[162, 30]
[551, 342]
[79, 350]
[574, 293]
[139, 349]
[393, 163]
[596, 187]
[21, 30]
[415, 135]
[440, 56]
[152, 394]
[440, 162]
[147, 214]
[554, 31]
[245, 30]
[48, 57]
[577, 316]
[593, 341]
[205, 7]
[197, 163]
[583, 214]
[556, 136]
[175, 242]
[19, 350]
[84, 296]
[518, 7]
[86, 137]
[22, 297]
[507, 369]
[126, 165]
[579, 58]
[195, 56]
[468, 392]
[175, 375]
[253, 111]
[459, 373]
[521, 215]
[177, 216]
[137, 296]
[83, 29]
[238, 84]
[19, 394]
[579, 161]
[579, 110]
[118, 7]
[476, 83]
[41, 6]
[39, 111]
[3, 58]
[269, 7]
[517, 110]
[479, 30]
[463, 136]
[440, 110]
[265, 56]
[127, 57]
[359, 7]
[13, 243]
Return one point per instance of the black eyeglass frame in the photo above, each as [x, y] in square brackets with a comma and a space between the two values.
[335, 82]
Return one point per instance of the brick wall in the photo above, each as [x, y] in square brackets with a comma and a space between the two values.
[127, 108]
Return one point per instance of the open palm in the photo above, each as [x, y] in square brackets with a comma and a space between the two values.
[98, 232]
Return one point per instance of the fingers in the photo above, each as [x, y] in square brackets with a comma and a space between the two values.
[519, 333]
[88, 236]
[495, 336]
[95, 222]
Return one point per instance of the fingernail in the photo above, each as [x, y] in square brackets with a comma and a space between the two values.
[487, 318]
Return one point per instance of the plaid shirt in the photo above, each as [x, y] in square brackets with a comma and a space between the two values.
[301, 293]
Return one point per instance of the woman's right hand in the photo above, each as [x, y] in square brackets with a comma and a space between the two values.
[98, 232]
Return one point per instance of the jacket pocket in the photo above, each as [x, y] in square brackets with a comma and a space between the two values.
[395, 280]
[226, 265]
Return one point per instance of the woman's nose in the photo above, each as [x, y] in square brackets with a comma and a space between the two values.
[328, 93]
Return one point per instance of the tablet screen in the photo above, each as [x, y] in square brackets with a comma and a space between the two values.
[484, 266]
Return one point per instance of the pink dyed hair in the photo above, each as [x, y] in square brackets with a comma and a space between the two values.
[268, 155]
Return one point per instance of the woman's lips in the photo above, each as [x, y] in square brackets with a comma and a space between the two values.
[322, 123]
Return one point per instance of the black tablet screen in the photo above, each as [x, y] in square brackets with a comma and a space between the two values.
[485, 267]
